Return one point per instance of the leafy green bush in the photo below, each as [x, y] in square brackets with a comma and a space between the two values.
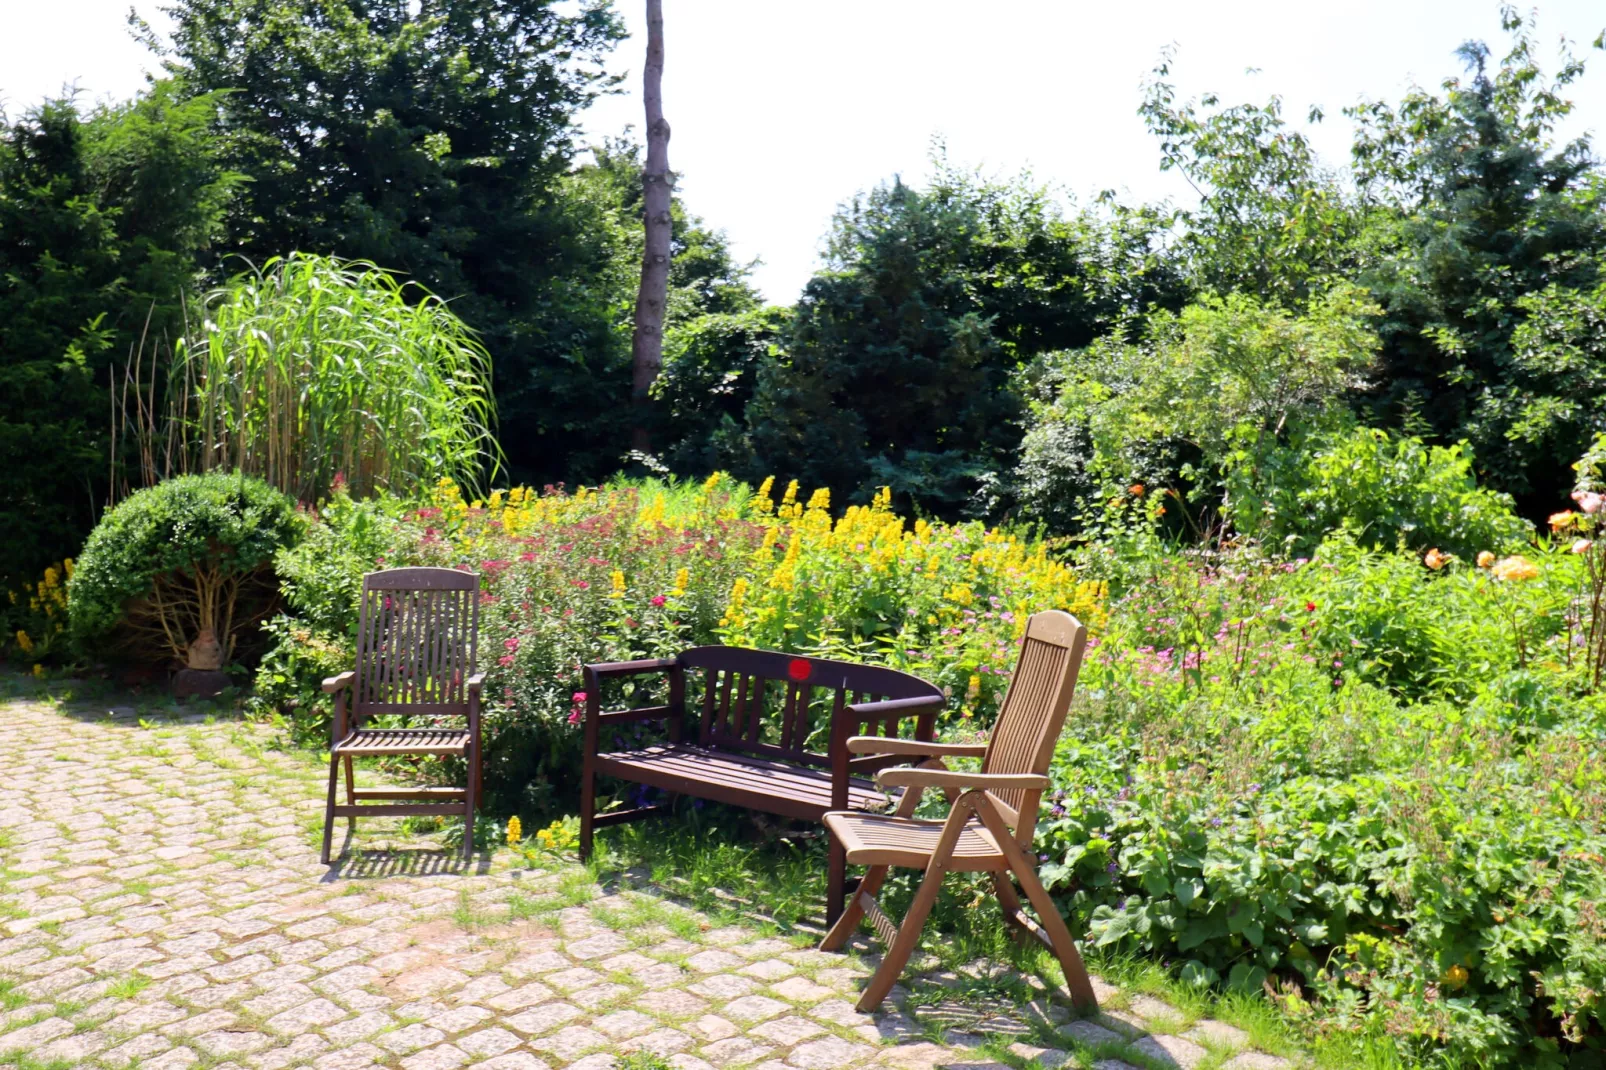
[1388, 491]
[187, 558]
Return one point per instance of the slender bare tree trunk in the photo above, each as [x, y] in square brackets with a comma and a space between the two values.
[647, 346]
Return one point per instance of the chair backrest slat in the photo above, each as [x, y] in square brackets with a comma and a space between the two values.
[1034, 710]
[417, 638]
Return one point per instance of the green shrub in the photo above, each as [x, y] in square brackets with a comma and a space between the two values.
[188, 557]
[1389, 491]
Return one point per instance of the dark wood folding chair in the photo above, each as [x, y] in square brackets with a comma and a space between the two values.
[416, 642]
[990, 821]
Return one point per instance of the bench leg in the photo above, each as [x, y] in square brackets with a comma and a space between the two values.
[329, 808]
[588, 808]
[835, 882]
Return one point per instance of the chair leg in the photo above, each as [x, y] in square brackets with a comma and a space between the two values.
[1076, 978]
[853, 913]
[329, 808]
[351, 791]
[896, 956]
[1009, 901]
[470, 801]
[836, 879]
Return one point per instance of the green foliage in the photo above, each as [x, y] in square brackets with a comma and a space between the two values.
[106, 214]
[1385, 491]
[309, 370]
[191, 555]
[1223, 376]
[897, 365]
[1240, 796]
[434, 139]
[1271, 220]
[1482, 212]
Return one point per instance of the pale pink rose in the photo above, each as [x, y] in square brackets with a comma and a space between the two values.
[1589, 501]
[1582, 546]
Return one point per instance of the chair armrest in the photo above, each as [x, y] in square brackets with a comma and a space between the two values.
[887, 745]
[337, 683]
[609, 669]
[895, 707]
[944, 778]
[475, 683]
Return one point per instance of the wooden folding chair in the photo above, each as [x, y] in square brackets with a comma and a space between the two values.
[990, 822]
[416, 641]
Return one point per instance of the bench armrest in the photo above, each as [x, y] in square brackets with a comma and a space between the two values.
[608, 670]
[338, 683]
[944, 778]
[914, 747]
[891, 708]
[475, 683]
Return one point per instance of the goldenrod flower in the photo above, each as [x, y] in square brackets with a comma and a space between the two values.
[23, 642]
[682, 580]
[515, 831]
[38, 670]
[618, 584]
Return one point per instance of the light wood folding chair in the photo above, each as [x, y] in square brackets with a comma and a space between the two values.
[990, 822]
[417, 634]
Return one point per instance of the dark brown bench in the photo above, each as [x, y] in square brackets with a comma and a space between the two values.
[772, 736]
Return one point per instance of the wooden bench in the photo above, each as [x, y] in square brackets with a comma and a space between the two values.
[772, 736]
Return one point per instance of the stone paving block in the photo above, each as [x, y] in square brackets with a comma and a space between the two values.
[599, 996]
[1255, 1060]
[361, 1027]
[661, 1042]
[571, 1042]
[712, 961]
[749, 1009]
[521, 997]
[515, 1060]
[828, 1053]
[356, 1057]
[224, 1042]
[306, 1017]
[410, 1038]
[621, 1025]
[787, 1031]
[440, 1057]
[540, 1019]
[736, 1051]
[488, 1042]
[1170, 1051]
[1091, 1033]
[712, 1027]
[1212, 1033]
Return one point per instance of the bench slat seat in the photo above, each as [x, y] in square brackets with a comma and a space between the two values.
[739, 779]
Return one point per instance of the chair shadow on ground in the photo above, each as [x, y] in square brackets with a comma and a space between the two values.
[367, 863]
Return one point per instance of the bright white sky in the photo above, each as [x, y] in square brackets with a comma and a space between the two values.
[782, 110]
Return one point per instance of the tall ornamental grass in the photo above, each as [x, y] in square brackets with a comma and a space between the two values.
[312, 368]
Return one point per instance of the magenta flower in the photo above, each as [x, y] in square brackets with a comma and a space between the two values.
[511, 644]
[658, 599]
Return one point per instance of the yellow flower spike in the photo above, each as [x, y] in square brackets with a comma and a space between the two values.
[23, 642]
[515, 831]
[618, 579]
[712, 481]
[682, 580]
[790, 497]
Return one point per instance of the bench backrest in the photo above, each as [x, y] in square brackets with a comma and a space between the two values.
[773, 704]
[416, 637]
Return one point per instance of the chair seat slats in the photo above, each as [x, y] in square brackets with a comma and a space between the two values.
[873, 840]
[405, 741]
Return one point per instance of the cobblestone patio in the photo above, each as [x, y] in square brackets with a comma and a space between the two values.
[162, 906]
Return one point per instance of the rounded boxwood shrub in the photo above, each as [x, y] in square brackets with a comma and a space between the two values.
[182, 569]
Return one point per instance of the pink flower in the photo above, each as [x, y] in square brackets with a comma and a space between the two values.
[658, 599]
[579, 697]
[511, 644]
[582, 584]
[1589, 501]
[505, 660]
[574, 717]
[1582, 546]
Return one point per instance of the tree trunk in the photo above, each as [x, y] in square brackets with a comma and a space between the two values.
[647, 345]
